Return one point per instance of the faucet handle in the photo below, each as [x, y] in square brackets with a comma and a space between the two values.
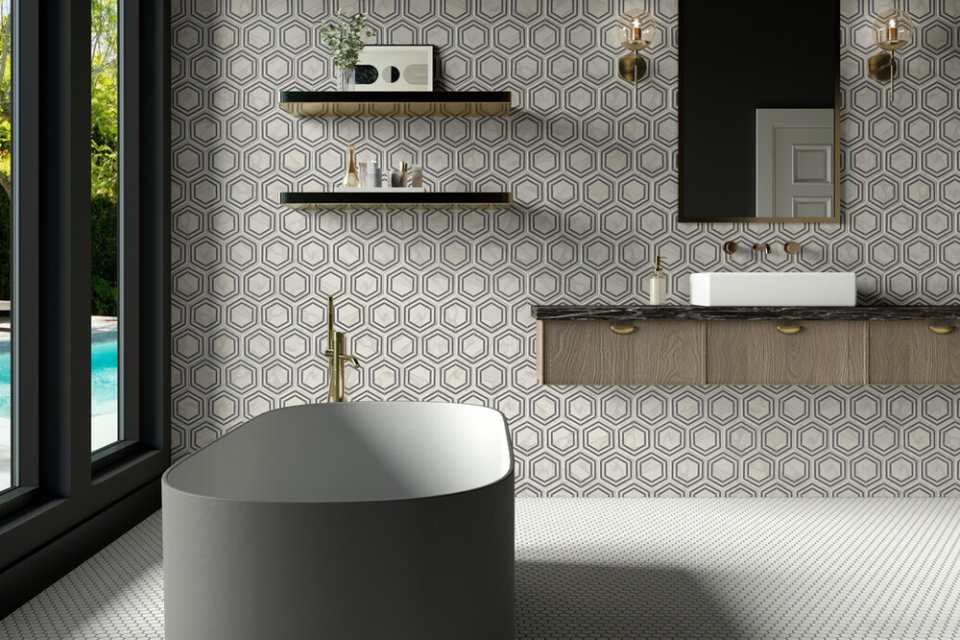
[341, 347]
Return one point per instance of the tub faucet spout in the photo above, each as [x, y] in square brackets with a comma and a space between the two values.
[336, 356]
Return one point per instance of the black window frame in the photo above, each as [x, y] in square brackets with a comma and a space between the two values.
[69, 503]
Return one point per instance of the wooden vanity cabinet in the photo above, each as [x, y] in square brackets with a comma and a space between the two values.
[770, 352]
[734, 351]
[914, 352]
[588, 352]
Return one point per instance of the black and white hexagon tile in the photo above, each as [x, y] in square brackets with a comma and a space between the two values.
[437, 302]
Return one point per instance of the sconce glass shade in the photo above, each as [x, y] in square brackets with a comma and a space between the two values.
[638, 31]
[894, 31]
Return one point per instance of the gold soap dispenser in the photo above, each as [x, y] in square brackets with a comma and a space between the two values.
[658, 284]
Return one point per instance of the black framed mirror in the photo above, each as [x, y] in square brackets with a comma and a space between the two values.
[759, 104]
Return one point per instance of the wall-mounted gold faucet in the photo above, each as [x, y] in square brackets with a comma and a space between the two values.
[336, 356]
[790, 248]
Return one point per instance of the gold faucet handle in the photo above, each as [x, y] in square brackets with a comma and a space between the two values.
[341, 347]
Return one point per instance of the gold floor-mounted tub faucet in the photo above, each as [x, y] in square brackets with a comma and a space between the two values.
[336, 356]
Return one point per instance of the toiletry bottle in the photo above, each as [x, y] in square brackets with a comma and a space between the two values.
[398, 177]
[362, 173]
[350, 178]
[658, 285]
[372, 180]
[416, 177]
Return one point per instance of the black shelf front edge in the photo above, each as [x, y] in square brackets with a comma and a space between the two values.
[321, 199]
[396, 103]
[288, 97]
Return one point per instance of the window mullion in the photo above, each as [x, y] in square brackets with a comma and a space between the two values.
[64, 257]
[129, 220]
[24, 217]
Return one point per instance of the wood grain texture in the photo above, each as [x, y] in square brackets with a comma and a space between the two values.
[587, 352]
[754, 352]
[907, 352]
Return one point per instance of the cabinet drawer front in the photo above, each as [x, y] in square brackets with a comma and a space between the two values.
[908, 352]
[588, 352]
[762, 352]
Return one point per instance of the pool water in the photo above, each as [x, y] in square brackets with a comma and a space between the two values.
[104, 378]
[103, 390]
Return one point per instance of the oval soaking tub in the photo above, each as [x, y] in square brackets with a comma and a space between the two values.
[354, 520]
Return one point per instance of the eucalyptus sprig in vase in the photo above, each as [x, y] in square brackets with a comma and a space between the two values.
[345, 39]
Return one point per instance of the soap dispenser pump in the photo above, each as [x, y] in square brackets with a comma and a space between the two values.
[658, 284]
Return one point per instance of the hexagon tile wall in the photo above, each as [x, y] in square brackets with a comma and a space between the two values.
[437, 302]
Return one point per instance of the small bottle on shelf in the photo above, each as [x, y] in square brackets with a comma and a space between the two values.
[658, 285]
[351, 179]
[372, 178]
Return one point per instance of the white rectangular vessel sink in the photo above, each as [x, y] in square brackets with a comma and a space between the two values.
[773, 289]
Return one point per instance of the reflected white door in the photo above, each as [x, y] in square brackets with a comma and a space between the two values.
[795, 157]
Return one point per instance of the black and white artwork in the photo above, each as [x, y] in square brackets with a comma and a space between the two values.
[395, 68]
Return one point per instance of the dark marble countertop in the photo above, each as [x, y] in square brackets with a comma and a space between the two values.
[686, 312]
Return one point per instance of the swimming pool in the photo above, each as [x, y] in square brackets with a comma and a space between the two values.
[103, 395]
[104, 378]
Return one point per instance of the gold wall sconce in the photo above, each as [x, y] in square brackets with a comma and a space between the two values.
[636, 35]
[894, 31]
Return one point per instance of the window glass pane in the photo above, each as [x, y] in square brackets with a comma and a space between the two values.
[105, 192]
[7, 452]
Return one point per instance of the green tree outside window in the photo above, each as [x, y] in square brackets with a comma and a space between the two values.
[104, 152]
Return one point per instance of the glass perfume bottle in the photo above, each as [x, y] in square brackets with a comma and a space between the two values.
[658, 284]
[351, 179]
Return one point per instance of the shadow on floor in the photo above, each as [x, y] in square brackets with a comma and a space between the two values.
[597, 601]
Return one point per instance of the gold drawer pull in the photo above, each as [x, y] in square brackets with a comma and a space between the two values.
[789, 329]
[622, 328]
[942, 329]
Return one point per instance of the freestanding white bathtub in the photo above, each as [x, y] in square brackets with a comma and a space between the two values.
[355, 520]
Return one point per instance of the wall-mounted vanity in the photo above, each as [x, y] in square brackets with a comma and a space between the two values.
[672, 345]
[759, 141]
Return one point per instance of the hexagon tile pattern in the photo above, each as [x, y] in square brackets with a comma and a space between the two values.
[437, 302]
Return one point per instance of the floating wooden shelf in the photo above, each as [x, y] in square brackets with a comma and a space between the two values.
[336, 199]
[396, 103]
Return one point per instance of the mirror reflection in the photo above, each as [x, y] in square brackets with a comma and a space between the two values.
[758, 102]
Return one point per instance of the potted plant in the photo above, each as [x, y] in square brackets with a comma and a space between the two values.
[345, 39]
